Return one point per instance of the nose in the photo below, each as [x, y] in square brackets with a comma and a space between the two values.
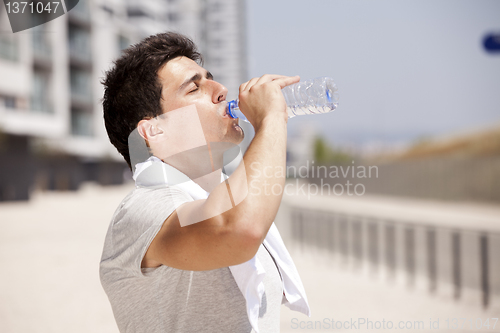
[219, 92]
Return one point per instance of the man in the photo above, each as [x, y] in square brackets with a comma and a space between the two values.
[187, 250]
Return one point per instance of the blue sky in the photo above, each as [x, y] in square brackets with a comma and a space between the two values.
[405, 69]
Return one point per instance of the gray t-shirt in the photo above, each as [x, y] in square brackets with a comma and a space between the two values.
[166, 299]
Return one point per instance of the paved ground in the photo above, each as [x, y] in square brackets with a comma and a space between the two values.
[50, 249]
[338, 295]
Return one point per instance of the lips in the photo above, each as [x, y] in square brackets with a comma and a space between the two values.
[223, 110]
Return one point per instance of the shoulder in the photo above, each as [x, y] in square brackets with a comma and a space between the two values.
[141, 212]
[142, 203]
[135, 223]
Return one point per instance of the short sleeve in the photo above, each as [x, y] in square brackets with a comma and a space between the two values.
[135, 223]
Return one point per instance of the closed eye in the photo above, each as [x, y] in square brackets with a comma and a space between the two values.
[193, 90]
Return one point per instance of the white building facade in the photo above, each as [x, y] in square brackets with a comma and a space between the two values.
[52, 134]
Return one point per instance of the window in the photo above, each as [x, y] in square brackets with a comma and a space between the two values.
[80, 85]
[40, 93]
[41, 44]
[9, 102]
[81, 122]
[79, 43]
[79, 9]
[9, 49]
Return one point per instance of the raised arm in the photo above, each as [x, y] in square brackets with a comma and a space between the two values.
[234, 236]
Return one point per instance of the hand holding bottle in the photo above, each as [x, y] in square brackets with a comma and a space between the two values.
[261, 97]
[308, 97]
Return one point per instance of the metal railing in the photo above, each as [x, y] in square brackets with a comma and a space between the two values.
[452, 261]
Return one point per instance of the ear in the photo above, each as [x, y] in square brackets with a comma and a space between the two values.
[149, 129]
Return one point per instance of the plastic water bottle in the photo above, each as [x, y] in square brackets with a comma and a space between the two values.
[313, 96]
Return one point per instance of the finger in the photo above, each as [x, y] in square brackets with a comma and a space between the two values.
[243, 86]
[249, 84]
[265, 79]
[260, 80]
[268, 78]
[287, 80]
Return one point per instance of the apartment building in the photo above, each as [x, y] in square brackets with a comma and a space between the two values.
[218, 28]
[51, 129]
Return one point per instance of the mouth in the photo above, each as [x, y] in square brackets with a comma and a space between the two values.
[224, 110]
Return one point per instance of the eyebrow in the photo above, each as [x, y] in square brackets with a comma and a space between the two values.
[195, 78]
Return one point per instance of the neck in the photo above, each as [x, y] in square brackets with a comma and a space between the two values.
[202, 164]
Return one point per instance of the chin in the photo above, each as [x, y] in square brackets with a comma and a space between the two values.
[241, 136]
[235, 134]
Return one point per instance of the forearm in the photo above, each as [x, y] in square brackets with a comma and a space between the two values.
[265, 166]
[259, 180]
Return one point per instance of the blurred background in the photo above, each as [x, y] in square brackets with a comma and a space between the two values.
[392, 210]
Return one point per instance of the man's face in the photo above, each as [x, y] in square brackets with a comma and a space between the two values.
[186, 83]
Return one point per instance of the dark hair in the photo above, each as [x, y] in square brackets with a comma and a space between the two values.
[132, 90]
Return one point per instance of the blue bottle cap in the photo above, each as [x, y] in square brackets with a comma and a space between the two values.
[230, 108]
